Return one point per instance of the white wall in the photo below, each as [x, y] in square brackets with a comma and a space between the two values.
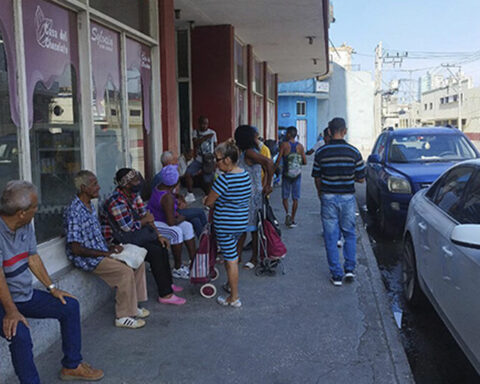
[351, 97]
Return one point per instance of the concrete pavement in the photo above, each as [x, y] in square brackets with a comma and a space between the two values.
[292, 328]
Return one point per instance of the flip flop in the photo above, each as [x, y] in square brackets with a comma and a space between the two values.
[248, 265]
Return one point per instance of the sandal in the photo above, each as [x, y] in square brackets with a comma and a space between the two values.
[248, 265]
[222, 300]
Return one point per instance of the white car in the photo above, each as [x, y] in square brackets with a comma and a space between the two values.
[441, 257]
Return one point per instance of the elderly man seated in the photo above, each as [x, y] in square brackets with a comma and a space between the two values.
[18, 299]
[88, 250]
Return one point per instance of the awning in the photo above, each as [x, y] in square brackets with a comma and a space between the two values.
[292, 36]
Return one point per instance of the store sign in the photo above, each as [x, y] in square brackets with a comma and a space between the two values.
[322, 86]
[105, 62]
[8, 33]
[50, 45]
[139, 58]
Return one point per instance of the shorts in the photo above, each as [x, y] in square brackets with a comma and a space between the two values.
[195, 167]
[228, 244]
[291, 187]
[176, 234]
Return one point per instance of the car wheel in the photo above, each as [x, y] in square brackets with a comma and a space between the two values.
[411, 288]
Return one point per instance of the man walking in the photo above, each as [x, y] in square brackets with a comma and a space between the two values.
[18, 260]
[338, 165]
[293, 156]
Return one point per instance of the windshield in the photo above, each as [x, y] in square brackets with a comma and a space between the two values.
[429, 148]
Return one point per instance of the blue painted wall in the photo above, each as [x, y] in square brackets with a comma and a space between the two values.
[287, 108]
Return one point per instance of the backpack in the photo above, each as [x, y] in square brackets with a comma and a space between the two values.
[293, 163]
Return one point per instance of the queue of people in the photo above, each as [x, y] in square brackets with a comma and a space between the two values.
[234, 192]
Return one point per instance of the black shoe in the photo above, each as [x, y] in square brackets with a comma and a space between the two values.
[336, 281]
[349, 276]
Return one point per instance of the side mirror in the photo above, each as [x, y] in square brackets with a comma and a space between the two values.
[466, 235]
[373, 158]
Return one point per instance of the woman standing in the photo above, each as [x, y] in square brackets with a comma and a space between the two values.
[253, 162]
[230, 197]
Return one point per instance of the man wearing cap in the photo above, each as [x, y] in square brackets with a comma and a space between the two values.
[87, 249]
[338, 165]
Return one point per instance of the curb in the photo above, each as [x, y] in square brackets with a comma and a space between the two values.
[398, 357]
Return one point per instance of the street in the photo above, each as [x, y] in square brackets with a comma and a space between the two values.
[432, 352]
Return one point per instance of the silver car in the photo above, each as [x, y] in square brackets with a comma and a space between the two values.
[441, 257]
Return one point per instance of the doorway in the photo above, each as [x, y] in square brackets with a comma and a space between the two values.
[302, 132]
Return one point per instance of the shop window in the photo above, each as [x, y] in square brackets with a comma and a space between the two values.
[135, 14]
[139, 93]
[51, 56]
[258, 79]
[270, 85]
[9, 161]
[240, 56]
[240, 105]
[106, 105]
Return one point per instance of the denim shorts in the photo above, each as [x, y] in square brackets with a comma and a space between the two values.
[291, 187]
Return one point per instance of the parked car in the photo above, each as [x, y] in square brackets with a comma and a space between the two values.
[441, 257]
[402, 162]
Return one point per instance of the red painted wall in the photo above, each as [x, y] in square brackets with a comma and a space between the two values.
[168, 77]
[213, 78]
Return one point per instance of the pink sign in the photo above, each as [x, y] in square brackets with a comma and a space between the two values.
[105, 62]
[8, 32]
[50, 45]
[139, 58]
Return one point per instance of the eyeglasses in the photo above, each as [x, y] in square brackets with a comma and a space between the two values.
[219, 159]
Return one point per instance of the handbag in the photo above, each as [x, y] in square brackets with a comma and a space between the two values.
[132, 255]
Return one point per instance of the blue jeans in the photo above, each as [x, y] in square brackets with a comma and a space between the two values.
[44, 306]
[338, 217]
[196, 216]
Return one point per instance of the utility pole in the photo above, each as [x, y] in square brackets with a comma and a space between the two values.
[459, 90]
[377, 106]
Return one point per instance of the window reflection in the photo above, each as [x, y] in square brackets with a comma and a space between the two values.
[8, 131]
[55, 150]
[135, 119]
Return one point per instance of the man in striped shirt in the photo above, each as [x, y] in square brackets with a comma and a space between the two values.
[338, 165]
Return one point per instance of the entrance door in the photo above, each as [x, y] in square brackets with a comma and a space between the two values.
[302, 132]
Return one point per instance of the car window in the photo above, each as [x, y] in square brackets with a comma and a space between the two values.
[450, 190]
[379, 148]
[430, 148]
[469, 211]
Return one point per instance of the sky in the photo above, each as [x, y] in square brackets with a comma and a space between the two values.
[446, 29]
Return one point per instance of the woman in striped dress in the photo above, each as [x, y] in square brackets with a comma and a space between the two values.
[230, 197]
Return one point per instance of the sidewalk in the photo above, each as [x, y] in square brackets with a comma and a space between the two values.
[292, 328]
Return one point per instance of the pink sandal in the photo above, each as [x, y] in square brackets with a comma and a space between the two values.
[175, 300]
[176, 288]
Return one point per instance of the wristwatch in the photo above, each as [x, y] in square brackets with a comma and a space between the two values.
[51, 286]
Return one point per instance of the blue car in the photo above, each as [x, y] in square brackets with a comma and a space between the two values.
[402, 162]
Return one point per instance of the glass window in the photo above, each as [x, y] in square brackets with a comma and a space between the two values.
[132, 13]
[51, 56]
[257, 118]
[9, 162]
[469, 212]
[240, 57]
[270, 120]
[449, 192]
[258, 80]
[240, 105]
[182, 54]
[106, 105]
[270, 85]
[380, 145]
[301, 108]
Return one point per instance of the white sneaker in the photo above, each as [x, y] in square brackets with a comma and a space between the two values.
[129, 322]
[190, 197]
[142, 313]
[180, 273]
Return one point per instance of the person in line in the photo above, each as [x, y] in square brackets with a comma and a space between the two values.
[253, 162]
[87, 250]
[196, 216]
[163, 205]
[230, 196]
[292, 154]
[18, 300]
[335, 185]
[204, 143]
[125, 211]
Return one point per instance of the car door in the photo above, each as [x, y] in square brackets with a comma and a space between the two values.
[374, 169]
[437, 223]
[462, 305]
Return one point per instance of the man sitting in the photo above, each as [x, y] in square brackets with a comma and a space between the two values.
[87, 249]
[18, 260]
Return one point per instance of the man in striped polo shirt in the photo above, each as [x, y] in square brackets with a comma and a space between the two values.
[18, 260]
[338, 165]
